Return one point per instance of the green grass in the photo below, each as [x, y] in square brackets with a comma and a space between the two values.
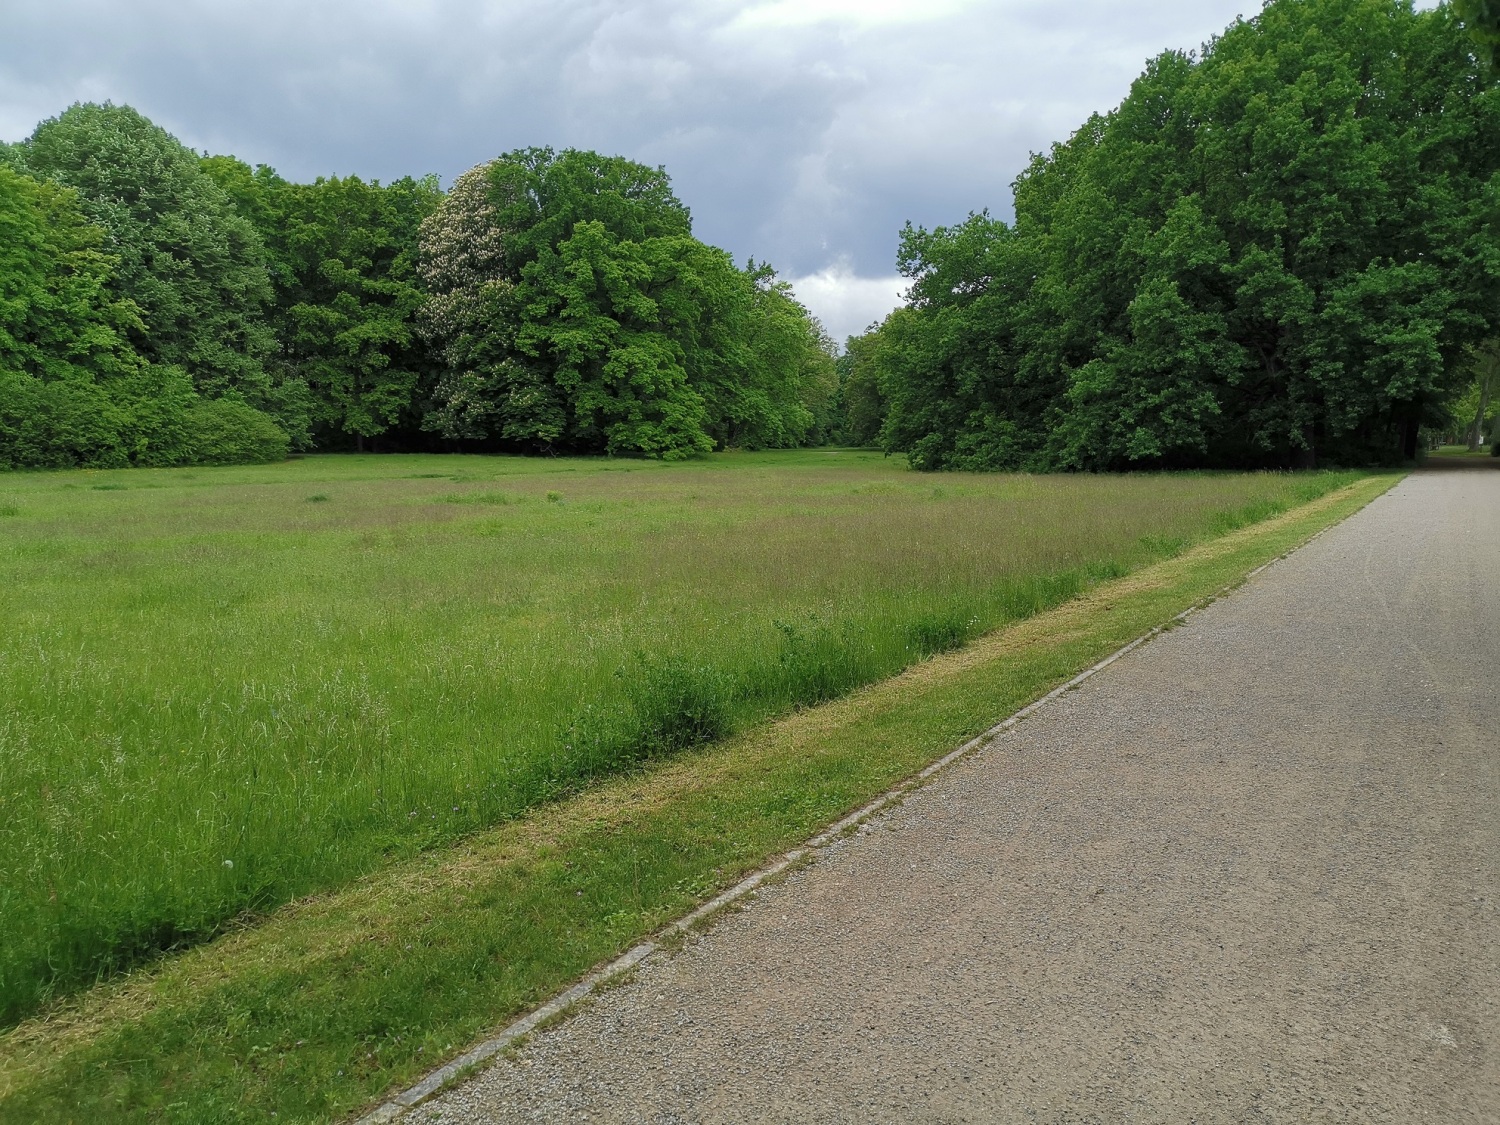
[222, 689]
[315, 1012]
[1462, 452]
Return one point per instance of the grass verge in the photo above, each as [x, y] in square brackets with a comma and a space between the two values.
[334, 1000]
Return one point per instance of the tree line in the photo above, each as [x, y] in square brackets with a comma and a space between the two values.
[1279, 251]
[1282, 249]
[159, 307]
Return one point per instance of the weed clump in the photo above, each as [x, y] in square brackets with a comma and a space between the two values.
[941, 631]
[668, 705]
[818, 661]
[677, 705]
[499, 498]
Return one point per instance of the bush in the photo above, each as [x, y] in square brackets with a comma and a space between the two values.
[58, 425]
[225, 431]
[150, 418]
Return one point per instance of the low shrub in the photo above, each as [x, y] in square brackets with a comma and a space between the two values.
[58, 425]
[151, 417]
[227, 432]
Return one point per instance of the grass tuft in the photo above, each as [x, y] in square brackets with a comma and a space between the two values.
[478, 498]
[941, 631]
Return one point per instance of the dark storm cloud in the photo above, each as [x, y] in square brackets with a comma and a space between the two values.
[800, 131]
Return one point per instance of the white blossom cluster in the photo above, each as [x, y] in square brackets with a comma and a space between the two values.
[462, 252]
[461, 260]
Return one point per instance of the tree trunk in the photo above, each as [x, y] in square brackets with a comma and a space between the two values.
[1409, 433]
[1476, 431]
[359, 443]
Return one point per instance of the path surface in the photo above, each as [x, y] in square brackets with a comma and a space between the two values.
[1248, 873]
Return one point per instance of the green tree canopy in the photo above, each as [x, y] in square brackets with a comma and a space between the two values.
[1473, 409]
[73, 390]
[192, 265]
[342, 256]
[575, 310]
[60, 318]
[1481, 18]
[1274, 251]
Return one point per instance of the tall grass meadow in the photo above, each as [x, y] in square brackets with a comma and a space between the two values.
[221, 689]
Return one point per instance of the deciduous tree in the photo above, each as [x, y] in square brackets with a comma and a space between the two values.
[1275, 252]
[73, 389]
[575, 310]
[1481, 19]
[342, 258]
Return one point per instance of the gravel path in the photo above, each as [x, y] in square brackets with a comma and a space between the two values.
[1248, 873]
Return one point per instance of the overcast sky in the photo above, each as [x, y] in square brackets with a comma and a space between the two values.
[803, 132]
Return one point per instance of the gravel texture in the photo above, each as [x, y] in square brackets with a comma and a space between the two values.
[1247, 873]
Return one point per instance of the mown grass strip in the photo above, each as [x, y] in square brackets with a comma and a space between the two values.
[333, 1001]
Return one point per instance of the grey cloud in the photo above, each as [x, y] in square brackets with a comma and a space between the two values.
[807, 143]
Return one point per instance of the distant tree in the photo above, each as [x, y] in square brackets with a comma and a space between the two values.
[342, 258]
[575, 310]
[607, 317]
[819, 377]
[73, 390]
[256, 196]
[471, 315]
[970, 371]
[60, 318]
[767, 373]
[861, 396]
[191, 264]
[62, 332]
[1475, 405]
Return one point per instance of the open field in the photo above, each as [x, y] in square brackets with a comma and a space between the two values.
[316, 1010]
[223, 689]
[1457, 452]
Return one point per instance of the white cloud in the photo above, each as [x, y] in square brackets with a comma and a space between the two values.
[801, 13]
[847, 304]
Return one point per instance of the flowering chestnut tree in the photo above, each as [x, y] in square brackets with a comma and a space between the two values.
[576, 311]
